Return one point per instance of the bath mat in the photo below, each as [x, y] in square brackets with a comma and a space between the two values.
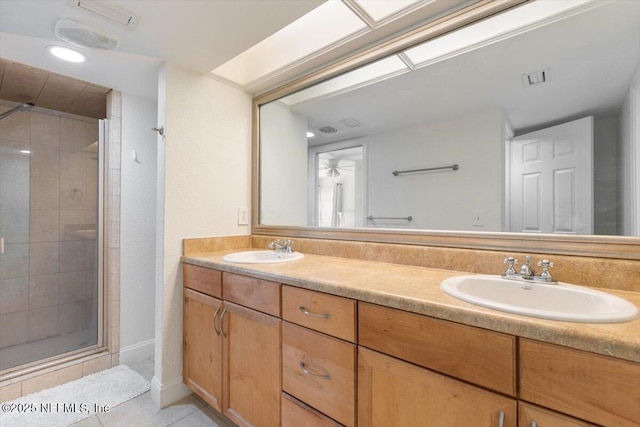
[71, 402]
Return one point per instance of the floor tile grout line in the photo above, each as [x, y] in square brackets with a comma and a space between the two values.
[187, 415]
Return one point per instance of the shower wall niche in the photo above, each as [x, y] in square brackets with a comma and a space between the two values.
[48, 217]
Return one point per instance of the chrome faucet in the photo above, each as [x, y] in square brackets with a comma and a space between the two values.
[526, 271]
[281, 246]
[276, 245]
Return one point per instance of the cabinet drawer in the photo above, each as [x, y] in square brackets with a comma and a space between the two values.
[326, 313]
[590, 386]
[201, 279]
[530, 414]
[476, 355]
[298, 414]
[261, 295]
[320, 371]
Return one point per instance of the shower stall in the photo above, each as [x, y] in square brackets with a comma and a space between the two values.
[50, 235]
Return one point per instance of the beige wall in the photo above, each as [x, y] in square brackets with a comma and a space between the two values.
[205, 159]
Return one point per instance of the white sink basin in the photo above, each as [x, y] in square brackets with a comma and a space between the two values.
[261, 257]
[556, 302]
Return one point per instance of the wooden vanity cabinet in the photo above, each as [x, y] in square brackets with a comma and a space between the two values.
[319, 356]
[202, 347]
[475, 355]
[392, 392]
[329, 314]
[370, 365]
[589, 386]
[202, 341]
[232, 349]
[251, 367]
[298, 414]
[321, 371]
[534, 416]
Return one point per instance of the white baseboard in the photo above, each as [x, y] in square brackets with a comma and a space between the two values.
[137, 352]
[166, 394]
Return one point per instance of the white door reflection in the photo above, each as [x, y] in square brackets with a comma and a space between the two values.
[339, 186]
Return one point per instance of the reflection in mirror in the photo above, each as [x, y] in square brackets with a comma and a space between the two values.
[540, 112]
[337, 185]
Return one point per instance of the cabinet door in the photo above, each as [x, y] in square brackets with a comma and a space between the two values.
[589, 386]
[251, 359]
[202, 356]
[533, 416]
[395, 393]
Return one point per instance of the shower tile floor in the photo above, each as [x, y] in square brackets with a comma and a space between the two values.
[141, 411]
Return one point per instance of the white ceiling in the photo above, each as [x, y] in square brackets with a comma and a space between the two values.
[591, 57]
[199, 35]
[196, 34]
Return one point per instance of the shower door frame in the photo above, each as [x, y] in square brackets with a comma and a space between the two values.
[101, 345]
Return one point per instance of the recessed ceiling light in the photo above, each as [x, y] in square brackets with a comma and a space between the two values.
[310, 134]
[66, 54]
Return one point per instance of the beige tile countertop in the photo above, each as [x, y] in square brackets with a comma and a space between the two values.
[417, 289]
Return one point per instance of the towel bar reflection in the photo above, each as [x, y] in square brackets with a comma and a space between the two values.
[405, 218]
[454, 167]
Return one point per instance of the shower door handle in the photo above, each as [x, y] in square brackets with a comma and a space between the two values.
[1, 245]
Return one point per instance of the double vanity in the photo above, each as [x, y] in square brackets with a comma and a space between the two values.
[325, 341]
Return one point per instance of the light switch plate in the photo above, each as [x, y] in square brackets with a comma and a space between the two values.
[243, 216]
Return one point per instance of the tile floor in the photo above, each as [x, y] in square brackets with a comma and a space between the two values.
[142, 412]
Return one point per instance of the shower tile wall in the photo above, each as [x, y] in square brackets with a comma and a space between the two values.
[48, 201]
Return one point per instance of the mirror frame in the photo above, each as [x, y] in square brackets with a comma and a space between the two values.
[620, 247]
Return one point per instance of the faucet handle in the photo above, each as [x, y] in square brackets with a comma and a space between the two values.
[546, 265]
[275, 244]
[286, 246]
[510, 261]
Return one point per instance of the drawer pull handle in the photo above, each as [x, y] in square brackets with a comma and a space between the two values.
[308, 372]
[308, 313]
[222, 324]
[533, 424]
[215, 315]
[501, 419]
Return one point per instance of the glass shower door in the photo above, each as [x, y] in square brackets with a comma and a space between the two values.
[49, 177]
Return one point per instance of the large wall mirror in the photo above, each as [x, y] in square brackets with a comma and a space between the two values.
[525, 122]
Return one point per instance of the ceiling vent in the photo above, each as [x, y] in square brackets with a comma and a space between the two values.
[110, 12]
[82, 35]
[352, 123]
[536, 78]
[328, 129]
